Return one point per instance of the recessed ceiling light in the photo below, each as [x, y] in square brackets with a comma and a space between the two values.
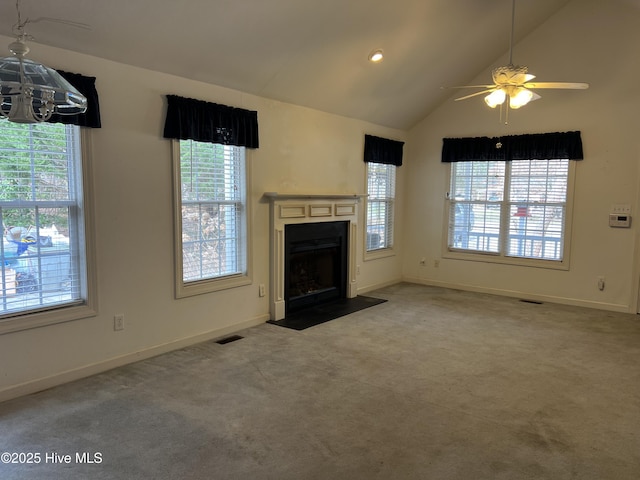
[376, 56]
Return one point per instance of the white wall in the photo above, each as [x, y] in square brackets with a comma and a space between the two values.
[301, 151]
[589, 41]
[306, 151]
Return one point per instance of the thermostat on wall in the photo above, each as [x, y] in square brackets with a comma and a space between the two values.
[620, 221]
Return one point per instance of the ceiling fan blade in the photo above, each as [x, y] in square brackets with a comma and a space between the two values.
[475, 94]
[520, 78]
[64, 22]
[469, 86]
[568, 85]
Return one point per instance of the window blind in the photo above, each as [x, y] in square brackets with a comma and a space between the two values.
[40, 216]
[381, 185]
[213, 213]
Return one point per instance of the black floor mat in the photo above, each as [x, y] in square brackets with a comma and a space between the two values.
[328, 311]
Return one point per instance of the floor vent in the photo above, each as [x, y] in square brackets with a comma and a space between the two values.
[232, 338]
[531, 301]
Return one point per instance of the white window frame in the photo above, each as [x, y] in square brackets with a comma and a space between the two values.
[88, 307]
[504, 204]
[387, 248]
[198, 287]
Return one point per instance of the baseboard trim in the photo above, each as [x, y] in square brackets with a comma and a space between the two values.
[46, 383]
[576, 302]
[370, 288]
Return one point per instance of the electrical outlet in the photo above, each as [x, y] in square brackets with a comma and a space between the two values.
[600, 283]
[118, 322]
[261, 290]
[436, 263]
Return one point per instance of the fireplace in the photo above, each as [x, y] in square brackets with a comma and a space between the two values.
[313, 249]
[315, 263]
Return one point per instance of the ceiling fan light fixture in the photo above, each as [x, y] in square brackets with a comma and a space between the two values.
[519, 97]
[495, 98]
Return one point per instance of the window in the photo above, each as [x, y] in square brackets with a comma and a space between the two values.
[212, 217]
[45, 245]
[381, 190]
[515, 209]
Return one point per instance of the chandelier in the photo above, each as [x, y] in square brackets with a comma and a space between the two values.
[32, 92]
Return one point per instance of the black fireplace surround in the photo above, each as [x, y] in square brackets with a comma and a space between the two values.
[315, 263]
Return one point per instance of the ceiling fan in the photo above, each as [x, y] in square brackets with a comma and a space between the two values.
[512, 85]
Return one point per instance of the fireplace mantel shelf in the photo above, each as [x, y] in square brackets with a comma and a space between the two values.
[291, 196]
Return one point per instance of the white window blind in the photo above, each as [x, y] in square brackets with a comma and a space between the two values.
[381, 190]
[537, 206]
[513, 209]
[477, 190]
[43, 264]
[213, 206]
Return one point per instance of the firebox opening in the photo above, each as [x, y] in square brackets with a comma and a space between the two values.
[315, 263]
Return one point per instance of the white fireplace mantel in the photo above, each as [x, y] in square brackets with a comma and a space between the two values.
[312, 196]
[293, 208]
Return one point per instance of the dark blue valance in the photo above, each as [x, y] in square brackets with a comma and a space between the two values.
[382, 150]
[87, 87]
[539, 146]
[190, 119]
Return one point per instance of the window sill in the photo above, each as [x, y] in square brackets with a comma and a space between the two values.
[212, 285]
[380, 253]
[496, 258]
[43, 318]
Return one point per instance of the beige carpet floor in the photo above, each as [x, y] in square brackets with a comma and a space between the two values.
[432, 384]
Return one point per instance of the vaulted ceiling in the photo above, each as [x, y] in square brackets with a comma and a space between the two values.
[307, 52]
